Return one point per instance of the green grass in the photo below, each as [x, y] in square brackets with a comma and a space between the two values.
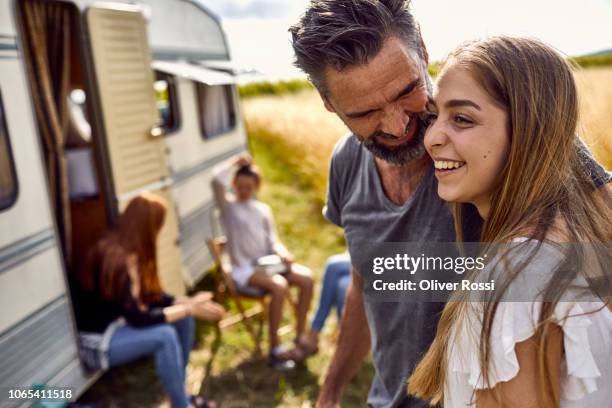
[225, 367]
[297, 208]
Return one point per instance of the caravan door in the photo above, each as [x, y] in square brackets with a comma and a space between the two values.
[134, 145]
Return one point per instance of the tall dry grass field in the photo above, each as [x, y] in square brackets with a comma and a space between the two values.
[595, 86]
[299, 126]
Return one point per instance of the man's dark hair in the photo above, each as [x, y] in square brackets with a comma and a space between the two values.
[344, 33]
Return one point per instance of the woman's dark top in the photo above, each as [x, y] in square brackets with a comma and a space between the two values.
[94, 313]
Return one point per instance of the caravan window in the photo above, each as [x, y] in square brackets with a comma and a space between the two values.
[8, 181]
[167, 101]
[217, 113]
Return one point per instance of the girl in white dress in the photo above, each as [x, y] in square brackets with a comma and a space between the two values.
[251, 233]
[502, 137]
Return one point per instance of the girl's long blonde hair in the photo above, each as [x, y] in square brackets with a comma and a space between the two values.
[544, 183]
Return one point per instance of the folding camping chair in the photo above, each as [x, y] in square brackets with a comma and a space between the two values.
[227, 287]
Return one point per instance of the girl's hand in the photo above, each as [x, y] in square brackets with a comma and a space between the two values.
[243, 160]
[287, 258]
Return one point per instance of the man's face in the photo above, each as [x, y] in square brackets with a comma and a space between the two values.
[381, 101]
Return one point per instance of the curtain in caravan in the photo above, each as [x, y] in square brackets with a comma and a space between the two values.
[47, 27]
[217, 112]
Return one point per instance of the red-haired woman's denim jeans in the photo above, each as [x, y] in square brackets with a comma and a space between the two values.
[169, 343]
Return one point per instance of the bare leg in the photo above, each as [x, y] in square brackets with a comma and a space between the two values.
[301, 277]
[277, 287]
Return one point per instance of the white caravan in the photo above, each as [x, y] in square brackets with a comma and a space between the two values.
[99, 101]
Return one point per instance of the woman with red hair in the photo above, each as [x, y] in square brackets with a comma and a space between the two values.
[123, 299]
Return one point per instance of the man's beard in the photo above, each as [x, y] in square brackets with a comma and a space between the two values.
[405, 153]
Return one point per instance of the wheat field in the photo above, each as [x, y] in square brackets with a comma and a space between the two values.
[595, 93]
[299, 125]
[308, 132]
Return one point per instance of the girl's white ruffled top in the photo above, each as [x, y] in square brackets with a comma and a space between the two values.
[586, 365]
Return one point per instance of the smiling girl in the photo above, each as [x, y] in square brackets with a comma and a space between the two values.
[502, 137]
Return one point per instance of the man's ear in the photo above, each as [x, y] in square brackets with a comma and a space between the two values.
[327, 104]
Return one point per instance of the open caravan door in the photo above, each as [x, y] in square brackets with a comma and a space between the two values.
[134, 143]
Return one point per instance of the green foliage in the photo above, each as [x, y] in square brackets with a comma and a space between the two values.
[273, 88]
[598, 60]
[295, 85]
[433, 69]
[585, 61]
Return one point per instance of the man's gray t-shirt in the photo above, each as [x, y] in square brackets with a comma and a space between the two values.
[401, 332]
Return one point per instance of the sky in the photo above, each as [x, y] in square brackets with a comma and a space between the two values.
[258, 37]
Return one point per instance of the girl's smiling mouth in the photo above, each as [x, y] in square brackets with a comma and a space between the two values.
[446, 166]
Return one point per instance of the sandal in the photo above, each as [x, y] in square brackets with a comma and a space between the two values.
[296, 354]
[281, 360]
[305, 349]
[300, 352]
[199, 401]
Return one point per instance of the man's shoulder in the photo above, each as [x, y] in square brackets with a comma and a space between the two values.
[344, 168]
[347, 156]
[348, 147]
